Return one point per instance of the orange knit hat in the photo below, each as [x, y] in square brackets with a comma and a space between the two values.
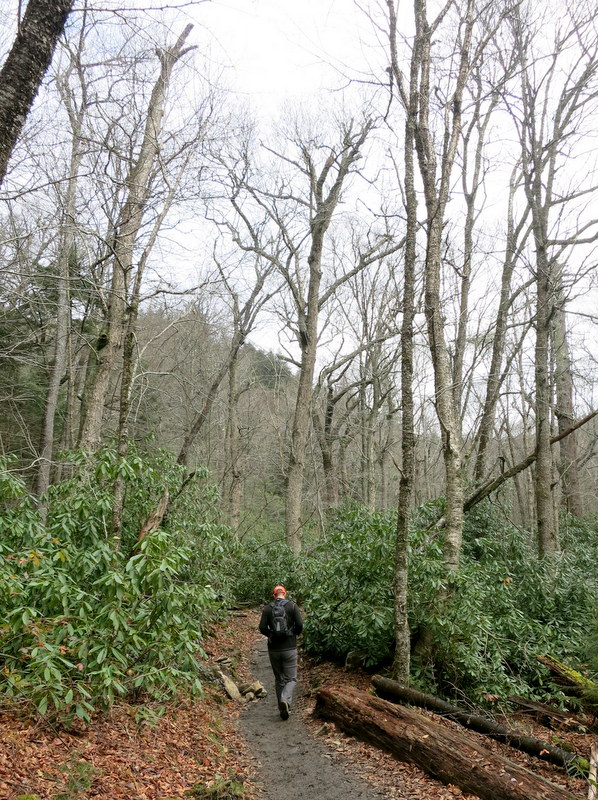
[279, 590]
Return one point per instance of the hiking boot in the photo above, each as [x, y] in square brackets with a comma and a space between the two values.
[284, 709]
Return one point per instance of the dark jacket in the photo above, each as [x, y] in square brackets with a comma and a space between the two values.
[295, 624]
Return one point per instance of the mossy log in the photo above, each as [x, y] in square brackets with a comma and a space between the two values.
[567, 677]
[443, 753]
[391, 690]
[573, 682]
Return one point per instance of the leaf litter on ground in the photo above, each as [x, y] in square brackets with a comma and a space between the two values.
[196, 744]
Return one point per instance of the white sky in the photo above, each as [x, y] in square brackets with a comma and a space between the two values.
[280, 50]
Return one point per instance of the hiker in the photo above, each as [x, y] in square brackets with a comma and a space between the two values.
[281, 622]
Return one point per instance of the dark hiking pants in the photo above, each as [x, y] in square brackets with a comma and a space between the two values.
[284, 666]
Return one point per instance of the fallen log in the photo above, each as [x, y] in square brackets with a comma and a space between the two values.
[548, 716]
[573, 683]
[592, 778]
[441, 752]
[567, 677]
[391, 690]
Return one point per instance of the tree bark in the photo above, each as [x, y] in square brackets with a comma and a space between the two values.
[393, 691]
[25, 67]
[440, 751]
[568, 465]
[548, 536]
[592, 778]
[409, 97]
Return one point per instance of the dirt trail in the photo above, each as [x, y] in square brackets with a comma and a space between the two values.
[294, 765]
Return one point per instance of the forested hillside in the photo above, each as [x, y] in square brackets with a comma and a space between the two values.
[351, 348]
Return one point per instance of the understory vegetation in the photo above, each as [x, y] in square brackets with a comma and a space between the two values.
[86, 622]
[483, 631]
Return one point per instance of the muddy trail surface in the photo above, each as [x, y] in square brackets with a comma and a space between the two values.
[293, 764]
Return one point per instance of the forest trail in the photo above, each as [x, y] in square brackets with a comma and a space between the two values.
[199, 742]
[326, 763]
[293, 764]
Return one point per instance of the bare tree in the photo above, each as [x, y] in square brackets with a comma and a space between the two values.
[325, 187]
[295, 218]
[409, 99]
[58, 368]
[483, 104]
[365, 312]
[517, 234]
[125, 237]
[432, 100]
[417, 95]
[554, 102]
[243, 317]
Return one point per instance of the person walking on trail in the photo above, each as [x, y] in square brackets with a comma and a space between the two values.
[281, 622]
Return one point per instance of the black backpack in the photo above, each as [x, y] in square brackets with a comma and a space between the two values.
[280, 627]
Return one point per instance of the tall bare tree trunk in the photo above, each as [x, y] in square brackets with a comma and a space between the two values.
[63, 317]
[568, 458]
[436, 194]
[25, 67]
[303, 401]
[548, 539]
[126, 234]
[324, 205]
[409, 98]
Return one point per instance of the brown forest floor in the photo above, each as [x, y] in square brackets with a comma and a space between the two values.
[194, 744]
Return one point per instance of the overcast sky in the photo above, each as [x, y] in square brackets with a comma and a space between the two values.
[279, 50]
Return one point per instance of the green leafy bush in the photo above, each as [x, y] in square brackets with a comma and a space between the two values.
[83, 623]
[346, 584]
[485, 626]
